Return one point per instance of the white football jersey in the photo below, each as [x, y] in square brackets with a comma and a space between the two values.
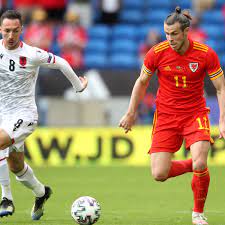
[18, 74]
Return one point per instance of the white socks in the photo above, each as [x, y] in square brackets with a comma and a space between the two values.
[28, 179]
[5, 180]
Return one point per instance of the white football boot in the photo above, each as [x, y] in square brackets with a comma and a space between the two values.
[198, 218]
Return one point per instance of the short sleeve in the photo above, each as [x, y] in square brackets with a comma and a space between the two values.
[149, 65]
[43, 58]
[213, 67]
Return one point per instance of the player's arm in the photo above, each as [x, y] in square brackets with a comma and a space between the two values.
[79, 83]
[137, 95]
[47, 59]
[216, 75]
[219, 84]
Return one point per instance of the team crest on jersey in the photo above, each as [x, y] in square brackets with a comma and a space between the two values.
[23, 61]
[193, 66]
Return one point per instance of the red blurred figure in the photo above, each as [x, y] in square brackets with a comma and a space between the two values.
[72, 39]
[54, 8]
[153, 38]
[39, 33]
[195, 32]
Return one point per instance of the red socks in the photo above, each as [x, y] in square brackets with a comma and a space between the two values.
[180, 167]
[200, 184]
[200, 181]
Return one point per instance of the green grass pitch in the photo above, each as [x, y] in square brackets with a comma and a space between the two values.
[128, 196]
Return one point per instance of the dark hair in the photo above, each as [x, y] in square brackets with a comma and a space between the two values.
[11, 14]
[183, 17]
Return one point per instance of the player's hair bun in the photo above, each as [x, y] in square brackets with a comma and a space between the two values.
[187, 14]
[178, 9]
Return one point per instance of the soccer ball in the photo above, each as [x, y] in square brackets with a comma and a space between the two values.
[85, 210]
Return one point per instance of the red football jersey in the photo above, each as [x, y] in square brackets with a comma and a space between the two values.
[181, 77]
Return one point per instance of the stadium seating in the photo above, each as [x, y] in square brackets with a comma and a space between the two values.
[213, 17]
[97, 46]
[121, 42]
[124, 31]
[131, 16]
[123, 61]
[132, 4]
[99, 31]
[159, 4]
[126, 46]
[96, 60]
[184, 4]
[156, 17]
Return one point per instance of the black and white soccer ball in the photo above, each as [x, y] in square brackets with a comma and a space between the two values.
[86, 210]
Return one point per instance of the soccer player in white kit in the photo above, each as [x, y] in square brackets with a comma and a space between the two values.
[19, 66]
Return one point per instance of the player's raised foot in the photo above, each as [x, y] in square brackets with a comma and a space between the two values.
[38, 207]
[6, 207]
[198, 218]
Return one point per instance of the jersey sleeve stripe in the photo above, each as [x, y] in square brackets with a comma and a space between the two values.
[161, 49]
[215, 71]
[161, 44]
[146, 70]
[216, 76]
[201, 45]
[200, 48]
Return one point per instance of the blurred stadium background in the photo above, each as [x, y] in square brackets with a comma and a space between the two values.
[106, 41]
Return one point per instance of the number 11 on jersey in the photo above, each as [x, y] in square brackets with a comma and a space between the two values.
[182, 83]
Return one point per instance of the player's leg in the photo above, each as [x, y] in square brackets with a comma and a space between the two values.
[18, 129]
[160, 165]
[179, 167]
[197, 139]
[26, 176]
[166, 138]
[201, 179]
[6, 204]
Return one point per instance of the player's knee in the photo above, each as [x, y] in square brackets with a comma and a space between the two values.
[15, 166]
[5, 140]
[159, 175]
[199, 164]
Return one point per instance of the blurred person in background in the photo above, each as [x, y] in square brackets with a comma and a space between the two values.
[25, 7]
[153, 37]
[3, 6]
[199, 6]
[223, 11]
[39, 32]
[146, 109]
[181, 112]
[196, 33]
[54, 8]
[72, 39]
[109, 11]
[19, 64]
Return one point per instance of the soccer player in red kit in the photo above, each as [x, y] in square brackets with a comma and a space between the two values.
[181, 113]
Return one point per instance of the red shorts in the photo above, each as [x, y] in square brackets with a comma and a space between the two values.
[169, 131]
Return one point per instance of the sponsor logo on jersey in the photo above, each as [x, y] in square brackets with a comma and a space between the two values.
[193, 66]
[167, 68]
[178, 68]
[23, 61]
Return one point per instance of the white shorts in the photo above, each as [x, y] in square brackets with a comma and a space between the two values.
[18, 127]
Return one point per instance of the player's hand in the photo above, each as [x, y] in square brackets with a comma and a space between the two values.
[84, 82]
[222, 130]
[127, 122]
